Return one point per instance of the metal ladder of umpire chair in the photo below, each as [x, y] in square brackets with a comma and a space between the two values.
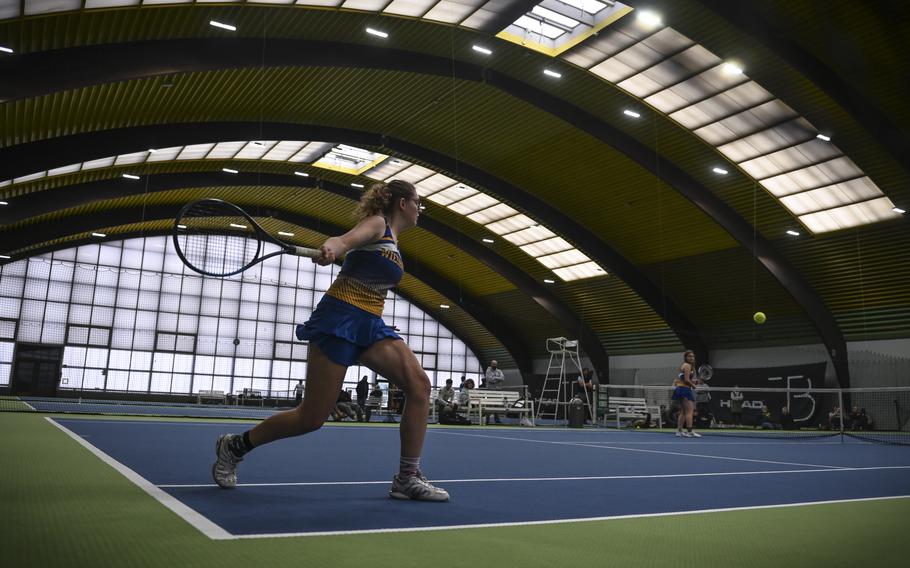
[556, 391]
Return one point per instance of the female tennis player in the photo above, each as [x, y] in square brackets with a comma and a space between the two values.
[346, 328]
[683, 393]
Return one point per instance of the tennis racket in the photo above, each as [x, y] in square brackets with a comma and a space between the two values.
[705, 372]
[216, 238]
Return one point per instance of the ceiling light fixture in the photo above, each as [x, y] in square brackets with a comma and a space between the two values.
[793, 233]
[824, 138]
[152, 151]
[552, 73]
[4, 203]
[444, 306]
[130, 176]
[102, 235]
[218, 24]
[649, 18]
[720, 171]
[631, 113]
[6, 50]
[181, 226]
[377, 33]
[732, 69]
[360, 185]
[302, 174]
[238, 226]
[548, 281]
[4, 256]
[285, 234]
[895, 209]
[229, 171]
[482, 50]
[489, 241]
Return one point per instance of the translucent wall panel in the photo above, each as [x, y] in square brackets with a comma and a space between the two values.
[133, 320]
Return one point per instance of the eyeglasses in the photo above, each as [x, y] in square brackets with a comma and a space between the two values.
[416, 201]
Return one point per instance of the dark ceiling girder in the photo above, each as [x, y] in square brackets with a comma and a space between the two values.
[742, 15]
[39, 73]
[77, 148]
[80, 194]
[494, 325]
[507, 14]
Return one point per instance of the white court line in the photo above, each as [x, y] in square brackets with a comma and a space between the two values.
[600, 447]
[522, 479]
[562, 521]
[703, 442]
[200, 522]
[32, 408]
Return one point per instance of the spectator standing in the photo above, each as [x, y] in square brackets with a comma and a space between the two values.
[363, 391]
[298, 392]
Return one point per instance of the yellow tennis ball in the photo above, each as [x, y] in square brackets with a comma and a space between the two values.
[759, 317]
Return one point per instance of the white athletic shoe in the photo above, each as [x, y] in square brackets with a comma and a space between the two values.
[687, 434]
[224, 470]
[416, 488]
[694, 435]
[679, 434]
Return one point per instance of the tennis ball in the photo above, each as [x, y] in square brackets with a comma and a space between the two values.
[759, 317]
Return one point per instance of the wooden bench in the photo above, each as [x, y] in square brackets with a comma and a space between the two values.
[628, 407]
[210, 395]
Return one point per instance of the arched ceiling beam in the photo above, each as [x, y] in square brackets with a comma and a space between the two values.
[64, 197]
[50, 153]
[91, 221]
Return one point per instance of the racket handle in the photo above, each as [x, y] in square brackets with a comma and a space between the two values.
[304, 251]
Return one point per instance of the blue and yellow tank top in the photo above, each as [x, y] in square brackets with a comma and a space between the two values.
[368, 273]
[681, 380]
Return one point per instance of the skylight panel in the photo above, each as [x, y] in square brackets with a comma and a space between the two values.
[414, 174]
[195, 151]
[590, 6]
[33, 8]
[311, 152]
[164, 154]
[770, 140]
[555, 17]
[134, 158]
[282, 151]
[34, 176]
[452, 12]
[387, 169]
[809, 153]
[720, 105]
[600, 48]
[529, 235]
[349, 159]
[413, 8]
[225, 150]
[494, 213]
[561, 259]
[746, 122]
[64, 170]
[831, 196]
[549, 246]
[579, 271]
[511, 224]
[99, 163]
[434, 183]
[850, 216]
[537, 27]
[452, 194]
[255, 149]
[365, 5]
[819, 175]
[473, 203]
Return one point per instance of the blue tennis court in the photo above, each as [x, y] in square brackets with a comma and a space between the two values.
[336, 480]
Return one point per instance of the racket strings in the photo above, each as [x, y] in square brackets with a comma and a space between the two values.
[216, 240]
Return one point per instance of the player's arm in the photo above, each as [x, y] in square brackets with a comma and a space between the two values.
[366, 231]
[687, 375]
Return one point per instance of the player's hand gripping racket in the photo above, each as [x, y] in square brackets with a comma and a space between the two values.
[216, 238]
[705, 372]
